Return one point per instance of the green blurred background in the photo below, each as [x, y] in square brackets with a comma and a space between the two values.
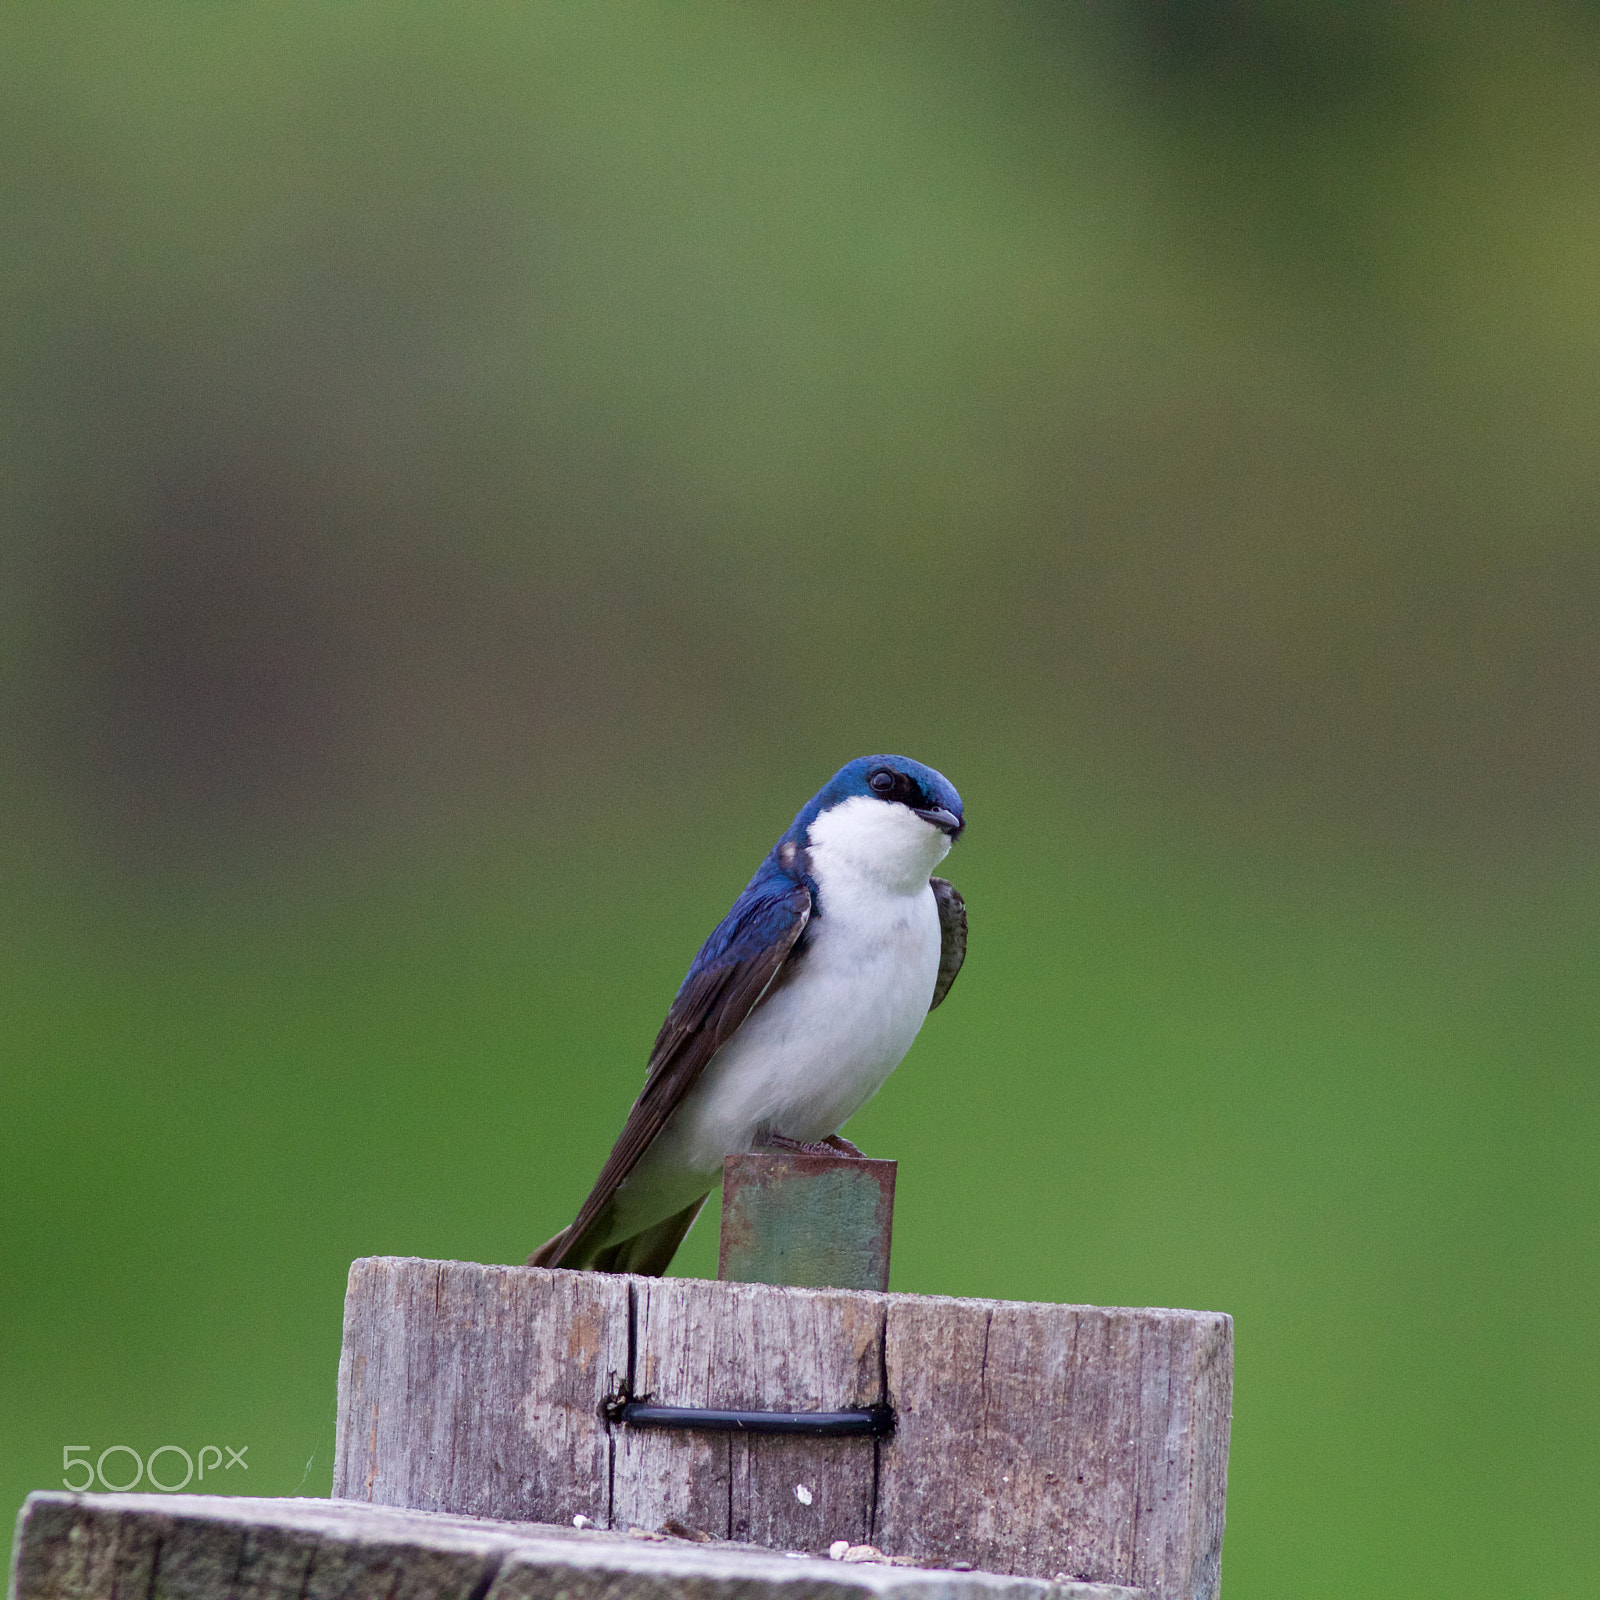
[467, 474]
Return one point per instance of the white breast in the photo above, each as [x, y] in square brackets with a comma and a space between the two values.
[823, 1042]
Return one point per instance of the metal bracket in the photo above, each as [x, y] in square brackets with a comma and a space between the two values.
[873, 1422]
[812, 1221]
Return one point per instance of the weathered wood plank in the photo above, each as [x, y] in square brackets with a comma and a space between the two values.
[478, 1390]
[1030, 1439]
[216, 1547]
[1078, 1439]
[747, 1346]
[221, 1547]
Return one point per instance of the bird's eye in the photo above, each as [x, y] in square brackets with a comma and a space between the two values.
[881, 781]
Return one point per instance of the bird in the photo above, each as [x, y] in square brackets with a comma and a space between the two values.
[795, 1011]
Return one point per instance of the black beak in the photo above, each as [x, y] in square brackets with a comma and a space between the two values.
[940, 818]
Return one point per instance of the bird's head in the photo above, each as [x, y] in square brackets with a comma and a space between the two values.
[888, 815]
[899, 781]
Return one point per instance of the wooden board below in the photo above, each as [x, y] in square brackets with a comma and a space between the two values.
[221, 1547]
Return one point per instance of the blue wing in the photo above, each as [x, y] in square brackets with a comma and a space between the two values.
[735, 968]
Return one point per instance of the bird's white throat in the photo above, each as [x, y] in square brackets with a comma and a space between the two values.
[877, 841]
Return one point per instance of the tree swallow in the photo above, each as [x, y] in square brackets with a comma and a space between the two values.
[794, 1012]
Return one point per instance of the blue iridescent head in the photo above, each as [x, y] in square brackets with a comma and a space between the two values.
[895, 780]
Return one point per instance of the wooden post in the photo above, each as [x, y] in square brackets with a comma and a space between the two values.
[816, 1222]
[1037, 1440]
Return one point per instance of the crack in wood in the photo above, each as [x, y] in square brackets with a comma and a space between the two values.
[155, 1567]
[305, 1577]
[491, 1571]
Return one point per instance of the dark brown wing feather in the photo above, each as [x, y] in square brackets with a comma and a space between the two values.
[706, 1013]
[952, 936]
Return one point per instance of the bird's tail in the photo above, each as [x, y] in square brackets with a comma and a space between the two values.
[549, 1253]
[648, 1253]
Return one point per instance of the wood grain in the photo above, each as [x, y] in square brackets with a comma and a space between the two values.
[478, 1390]
[1030, 1439]
[218, 1547]
[1046, 1438]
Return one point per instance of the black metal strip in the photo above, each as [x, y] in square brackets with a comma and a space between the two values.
[870, 1421]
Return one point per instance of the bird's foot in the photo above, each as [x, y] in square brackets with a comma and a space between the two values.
[833, 1145]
